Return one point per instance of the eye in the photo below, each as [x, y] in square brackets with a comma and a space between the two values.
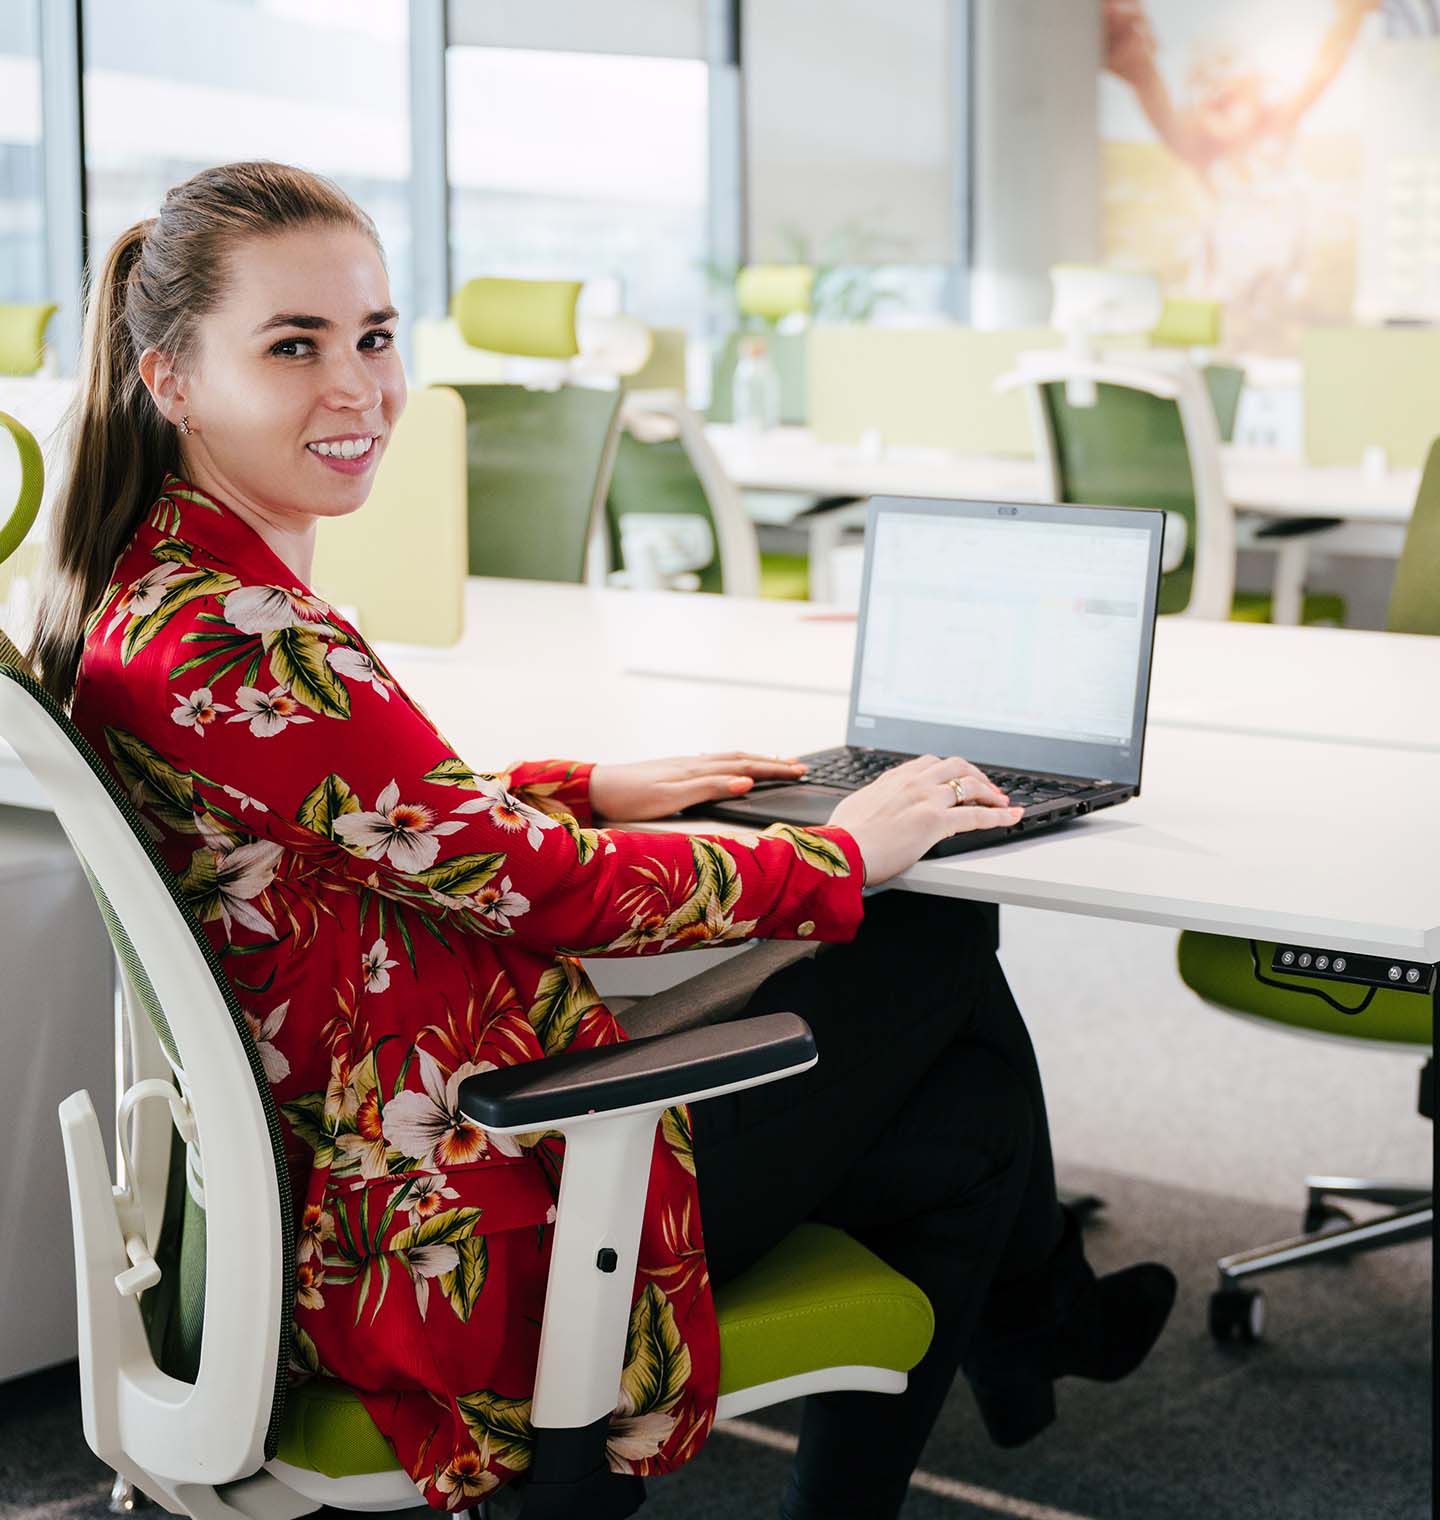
[386, 337]
[289, 348]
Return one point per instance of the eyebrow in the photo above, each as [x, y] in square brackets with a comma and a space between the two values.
[322, 324]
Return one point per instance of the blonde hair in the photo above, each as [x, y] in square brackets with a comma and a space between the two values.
[158, 279]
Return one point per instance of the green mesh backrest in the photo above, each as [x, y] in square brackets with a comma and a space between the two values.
[1415, 598]
[175, 1316]
[1128, 450]
[658, 477]
[1225, 382]
[534, 460]
[787, 354]
[22, 337]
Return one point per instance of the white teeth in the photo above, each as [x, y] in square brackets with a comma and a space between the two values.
[350, 448]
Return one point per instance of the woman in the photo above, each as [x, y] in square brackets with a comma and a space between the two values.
[392, 920]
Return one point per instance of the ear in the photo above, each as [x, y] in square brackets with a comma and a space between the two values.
[165, 384]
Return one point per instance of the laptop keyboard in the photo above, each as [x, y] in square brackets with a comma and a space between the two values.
[851, 768]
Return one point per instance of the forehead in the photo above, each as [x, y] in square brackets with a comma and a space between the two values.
[332, 272]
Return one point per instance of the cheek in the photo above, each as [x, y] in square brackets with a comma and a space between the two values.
[261, 406]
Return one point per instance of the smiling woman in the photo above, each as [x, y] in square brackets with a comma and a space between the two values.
[392, 920]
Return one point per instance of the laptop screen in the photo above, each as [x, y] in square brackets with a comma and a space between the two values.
[1015, 635]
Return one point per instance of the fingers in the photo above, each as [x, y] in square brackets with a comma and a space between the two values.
[762, 767]
[962, 820]
[710, 789]
[976, 786]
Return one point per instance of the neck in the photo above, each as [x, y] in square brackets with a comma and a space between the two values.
[289, 536]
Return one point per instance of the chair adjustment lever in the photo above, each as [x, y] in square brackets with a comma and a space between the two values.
[144, 1271]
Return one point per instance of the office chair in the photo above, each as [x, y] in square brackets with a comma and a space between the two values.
[1226, 972]
[673, 515]
[1127, 433]
[416, 516]
[22, 337]
[186, 1264]
[540, 460]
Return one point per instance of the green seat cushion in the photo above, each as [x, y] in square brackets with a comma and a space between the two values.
[328, 1430]
[819, 1299]
[784, 577]
[1219, 969]
[1320, 607]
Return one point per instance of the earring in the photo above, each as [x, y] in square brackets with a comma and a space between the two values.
[185, 424]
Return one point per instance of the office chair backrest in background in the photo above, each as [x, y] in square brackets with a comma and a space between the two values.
[539, 461]
[1415, 597]
[22, 337]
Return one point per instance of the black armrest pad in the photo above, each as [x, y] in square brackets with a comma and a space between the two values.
[537, 1094]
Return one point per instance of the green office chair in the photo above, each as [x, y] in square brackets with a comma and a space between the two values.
[540, 460]
[1150, 438]
[675, 517]
[186, 1271]
[22, 337]
[1226, 973]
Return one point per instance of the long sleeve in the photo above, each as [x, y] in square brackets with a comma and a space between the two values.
[291, 730]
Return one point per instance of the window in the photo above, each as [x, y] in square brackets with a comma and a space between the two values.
[172, 86]
[582, 166]
[22, 218]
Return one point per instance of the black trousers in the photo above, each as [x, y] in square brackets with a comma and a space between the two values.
[921, 1132]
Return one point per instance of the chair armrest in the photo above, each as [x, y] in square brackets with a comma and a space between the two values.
[650, 1073]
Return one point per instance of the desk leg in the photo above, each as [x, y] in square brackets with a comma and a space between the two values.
[1287, 592]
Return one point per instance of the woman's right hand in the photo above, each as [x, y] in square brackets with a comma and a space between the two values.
[905, 811]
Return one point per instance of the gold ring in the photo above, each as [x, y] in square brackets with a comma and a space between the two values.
[958, 787]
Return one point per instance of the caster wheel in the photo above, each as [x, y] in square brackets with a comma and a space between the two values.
[1319, 1214]
[1237, 1314]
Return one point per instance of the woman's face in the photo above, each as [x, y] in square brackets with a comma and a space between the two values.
[295, 382]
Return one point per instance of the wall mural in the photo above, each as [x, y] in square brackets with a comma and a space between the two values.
[1281, 156]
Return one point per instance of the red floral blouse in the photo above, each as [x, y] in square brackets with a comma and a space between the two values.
[391, 921]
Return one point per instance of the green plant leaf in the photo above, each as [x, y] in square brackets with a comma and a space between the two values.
[440, 1229]
[817, 850]
[657, 1360]
[169, 793]
[453, 771]
[297, 660]
[675, 1126]
[330, 800]
[562, 998]
[461, 874]
[181, 591]
[502, 1425]
[462, 1286]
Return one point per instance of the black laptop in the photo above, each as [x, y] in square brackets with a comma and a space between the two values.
[1018, 636]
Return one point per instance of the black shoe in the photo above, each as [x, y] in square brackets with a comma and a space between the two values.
[1064, 1322]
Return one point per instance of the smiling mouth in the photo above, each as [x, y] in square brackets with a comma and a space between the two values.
[345, 448]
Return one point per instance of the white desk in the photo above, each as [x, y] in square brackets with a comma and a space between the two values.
[1334, 685]
[1238, 832]
[1270, 484]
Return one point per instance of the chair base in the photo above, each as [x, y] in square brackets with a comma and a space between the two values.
[1237, 1312]
[1409, 1218]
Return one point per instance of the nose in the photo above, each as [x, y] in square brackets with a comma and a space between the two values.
[352, 384]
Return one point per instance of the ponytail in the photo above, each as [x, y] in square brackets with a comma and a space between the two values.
[158, 279]
[121, 451]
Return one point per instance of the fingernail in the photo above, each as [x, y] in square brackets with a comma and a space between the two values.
[740, 783]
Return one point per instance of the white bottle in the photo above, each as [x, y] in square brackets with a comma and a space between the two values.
[755, 390]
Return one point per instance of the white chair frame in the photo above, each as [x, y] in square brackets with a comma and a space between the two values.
[1212, 591]
[199, 1449]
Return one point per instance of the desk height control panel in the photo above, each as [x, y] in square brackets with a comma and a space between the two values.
[1360, 970]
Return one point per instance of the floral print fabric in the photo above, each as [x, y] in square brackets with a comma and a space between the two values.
[392, 921]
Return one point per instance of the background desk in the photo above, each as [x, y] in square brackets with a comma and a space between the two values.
[1264, 482]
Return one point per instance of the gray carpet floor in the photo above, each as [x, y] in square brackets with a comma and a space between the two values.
[1329, 1417]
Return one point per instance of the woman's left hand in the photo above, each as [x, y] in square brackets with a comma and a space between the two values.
[656, 788]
